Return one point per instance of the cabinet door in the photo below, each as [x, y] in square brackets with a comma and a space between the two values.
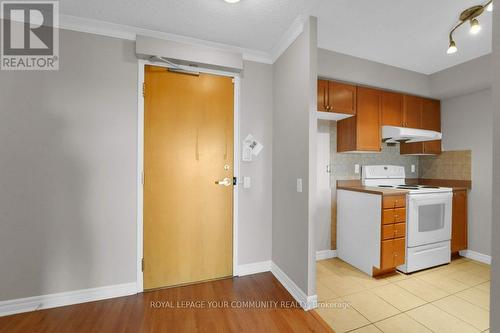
[431, 115]
[459, 221]
[432, 147]
[322, 95]
[412, 111]
[399, 251]
[387, 254]
[392, 109]
[368, 136]
[342, 97]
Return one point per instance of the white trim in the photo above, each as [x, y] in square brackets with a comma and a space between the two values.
[128, 32]
[66, 298]
[307, 302]
[253, 268]
[140, 161]
[326, 254]
[290, 35]
[484, 258]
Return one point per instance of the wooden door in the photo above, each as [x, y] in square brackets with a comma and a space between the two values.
[459, 221]
[412, 111]
[188, 145]
[392, 109]
[368, 136]
[342, 97]
[322, 95]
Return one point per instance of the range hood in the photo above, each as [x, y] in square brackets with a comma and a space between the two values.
[394, 134]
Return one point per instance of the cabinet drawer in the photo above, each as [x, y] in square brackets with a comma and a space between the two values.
[392, 253]
[399, 251]
[393, 215]
[394, 201]
[391, 231]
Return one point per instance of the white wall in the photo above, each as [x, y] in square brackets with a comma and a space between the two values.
[255, 209]
[334, 65]
[294, 82]
[467, 124]
[495, 281]
[471, 76]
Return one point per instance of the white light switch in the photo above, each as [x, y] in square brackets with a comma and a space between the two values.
[413, 168]
[299, 185]
[247, 182]
[356, 168]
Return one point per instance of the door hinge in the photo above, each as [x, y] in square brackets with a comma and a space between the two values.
[144, 89]
[142, 264]
[235, 181]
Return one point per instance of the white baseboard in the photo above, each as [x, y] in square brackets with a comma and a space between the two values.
[326, 254]
[66, 298]
[253, 268]
[307, 302]
[484, 258]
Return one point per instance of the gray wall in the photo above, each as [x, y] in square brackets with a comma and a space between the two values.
[471, 76]
[69, 143]
[255, 209]
[495, 282]
[467, 124]
[68, 159]
[347, 68]
[292, 89]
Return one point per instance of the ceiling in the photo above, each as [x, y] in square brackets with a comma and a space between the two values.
[402, 33]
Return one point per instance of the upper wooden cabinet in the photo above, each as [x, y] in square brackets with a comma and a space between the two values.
[430, 120]
[412, 111]
[362, 132]
[336, 97]
[392, 109]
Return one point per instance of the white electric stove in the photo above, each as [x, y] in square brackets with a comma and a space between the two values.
[428, 216]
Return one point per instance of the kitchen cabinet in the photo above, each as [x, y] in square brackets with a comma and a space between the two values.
[459, 221]
[412, 111]
[392, 109]
[336, 97]
[362, 132]
[430, 120]
[393, 245]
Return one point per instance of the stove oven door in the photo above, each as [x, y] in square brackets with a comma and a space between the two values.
[429, 218]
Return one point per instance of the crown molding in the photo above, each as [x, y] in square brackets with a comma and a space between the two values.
[127, 32]
[290, 35]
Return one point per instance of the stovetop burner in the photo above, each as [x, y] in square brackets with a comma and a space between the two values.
[388, 186]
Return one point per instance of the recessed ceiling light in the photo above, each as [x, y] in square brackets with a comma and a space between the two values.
[232, 1]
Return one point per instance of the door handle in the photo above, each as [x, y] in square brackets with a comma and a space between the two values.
[225, 182]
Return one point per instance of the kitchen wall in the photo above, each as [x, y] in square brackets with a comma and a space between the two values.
[495, 233]
[69, 148]
[467, 123]
[294, 92]
[334, 65]
[454, 165]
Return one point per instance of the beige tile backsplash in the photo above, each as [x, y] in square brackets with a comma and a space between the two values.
[449, 165]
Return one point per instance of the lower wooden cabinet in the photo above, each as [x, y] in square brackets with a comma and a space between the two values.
[393, 253]
[459, 221]
[393, 238]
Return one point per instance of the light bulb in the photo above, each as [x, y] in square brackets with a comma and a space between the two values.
[474, 26]
[453, 48]
[490, 7]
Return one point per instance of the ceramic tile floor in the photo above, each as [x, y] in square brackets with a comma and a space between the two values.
[451, 298]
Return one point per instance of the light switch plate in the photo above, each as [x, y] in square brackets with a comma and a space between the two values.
[299, 185]
[413, 168]
[247, 182]
[356, 168]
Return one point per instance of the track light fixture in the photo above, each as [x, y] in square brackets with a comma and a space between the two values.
[470, 14]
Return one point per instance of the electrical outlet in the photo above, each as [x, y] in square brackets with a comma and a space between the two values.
[356, 168]
[413, 168]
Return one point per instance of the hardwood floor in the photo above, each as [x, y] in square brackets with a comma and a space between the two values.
[181, 309]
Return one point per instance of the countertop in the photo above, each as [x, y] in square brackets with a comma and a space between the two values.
[372, 190]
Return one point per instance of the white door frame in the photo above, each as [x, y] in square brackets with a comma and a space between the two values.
[140, 160]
